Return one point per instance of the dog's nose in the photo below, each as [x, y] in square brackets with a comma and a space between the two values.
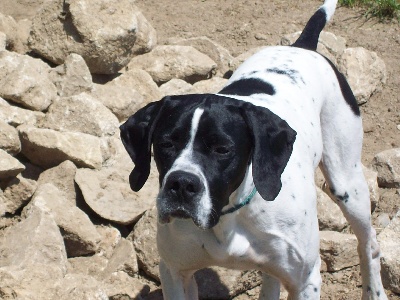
[183, 185]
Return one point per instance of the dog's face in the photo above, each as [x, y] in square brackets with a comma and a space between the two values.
[203, 145]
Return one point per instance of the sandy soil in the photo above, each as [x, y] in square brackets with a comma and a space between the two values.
[243, 24]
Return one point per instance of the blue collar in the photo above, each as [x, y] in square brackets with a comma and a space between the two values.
[241, 204]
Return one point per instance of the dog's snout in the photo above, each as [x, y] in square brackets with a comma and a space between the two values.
[183, 185]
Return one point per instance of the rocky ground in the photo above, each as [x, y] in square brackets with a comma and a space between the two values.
[71, 71]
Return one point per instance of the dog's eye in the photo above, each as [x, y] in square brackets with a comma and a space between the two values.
[221, 150]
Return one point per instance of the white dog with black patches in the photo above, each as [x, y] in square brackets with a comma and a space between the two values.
[237, 171]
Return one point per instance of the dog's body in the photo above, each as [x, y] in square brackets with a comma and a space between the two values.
[220, 157]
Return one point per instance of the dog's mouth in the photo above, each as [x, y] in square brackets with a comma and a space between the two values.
[179, 213]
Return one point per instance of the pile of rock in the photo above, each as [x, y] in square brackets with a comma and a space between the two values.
[70, 227]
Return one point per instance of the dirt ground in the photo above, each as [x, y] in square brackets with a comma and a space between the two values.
[244, 24]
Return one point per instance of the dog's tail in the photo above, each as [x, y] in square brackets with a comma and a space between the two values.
[309, 37]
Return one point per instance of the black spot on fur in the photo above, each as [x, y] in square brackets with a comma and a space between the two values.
[292, 74]
[247, 87]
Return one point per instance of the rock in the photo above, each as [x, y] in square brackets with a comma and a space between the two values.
[18, 192]
[144, 240]
[329, 44]
[175, 87]
[9, 166]
[127, 93]
[121, 286]
[110, 238]
[216, 52]
[3, 41]
[80, 235]
[330, 216]
[364, 70]
[123, 101]
[141, 81]
[25, 81]
[122, 259]
[108, 193]
[338, 250]
[48, 148]
[387, 164]
[372, 180]
[182, 62]
[73, 77]
[9, 26]
[16, 116]
[32, 258]
[237, 61]
[9, 139]
[81, 113]
[22, 34]
[62, 177]
[77, 286]
[213, 85]
[87, 265]
[106, 36]
[389, 241]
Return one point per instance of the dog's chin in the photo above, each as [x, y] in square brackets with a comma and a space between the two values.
[166, 218]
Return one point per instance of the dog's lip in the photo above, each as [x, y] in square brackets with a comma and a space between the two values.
[177, 213]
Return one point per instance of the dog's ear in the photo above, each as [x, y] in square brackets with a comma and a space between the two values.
[273, 141]
[136, 136]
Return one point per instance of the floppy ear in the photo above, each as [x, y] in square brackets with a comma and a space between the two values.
[273, 142]
[136, 136]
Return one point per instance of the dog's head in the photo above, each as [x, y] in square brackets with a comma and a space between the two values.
[203, 145]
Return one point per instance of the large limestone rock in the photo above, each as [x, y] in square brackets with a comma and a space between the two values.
[141, 81]
[25, 80]
[9, 166]
[17, 193]
[32, 258]
[364, 70]
[9, 140]
[338, 250]
[389, 241]
[123, 101]
[80, 235]
[127, 93]
[108, 193]
[107, 35]
[182, 62]
[81, 113]
[387, 164]
[48, 148]
[16, 116]
[210, 48]
[73, 77]
[213, 85]
[62, 177]
[175, 87]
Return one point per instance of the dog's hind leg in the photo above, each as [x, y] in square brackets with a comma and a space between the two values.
[341, 164]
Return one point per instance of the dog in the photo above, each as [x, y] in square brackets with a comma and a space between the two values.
[236, 171]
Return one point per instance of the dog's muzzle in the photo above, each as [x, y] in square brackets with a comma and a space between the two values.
[180, 197]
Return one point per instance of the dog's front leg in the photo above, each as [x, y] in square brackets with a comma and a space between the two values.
[177, 285]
